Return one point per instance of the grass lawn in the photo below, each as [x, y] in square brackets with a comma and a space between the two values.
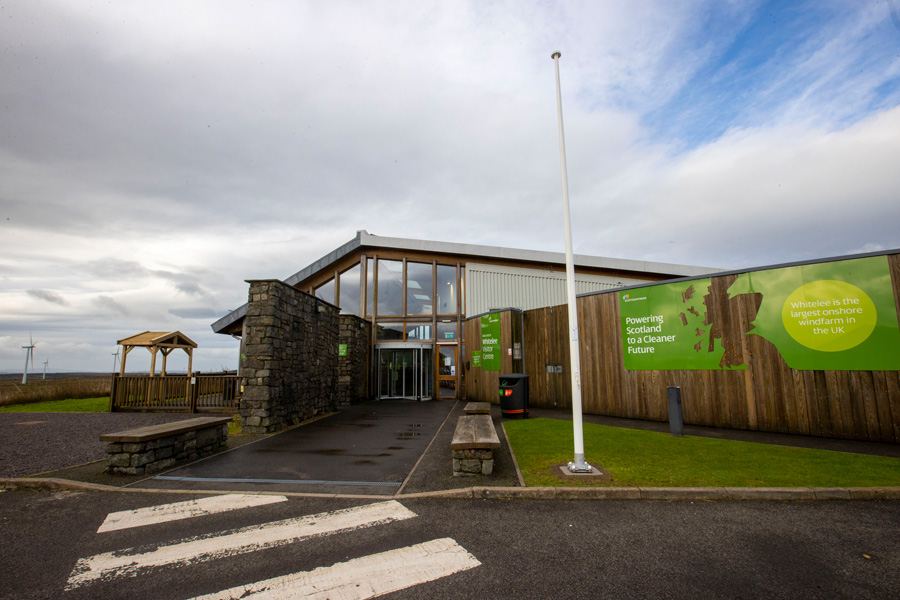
[649, 459]
[79, 405]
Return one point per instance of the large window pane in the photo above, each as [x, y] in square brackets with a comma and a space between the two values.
[349, 301]
[446, 332]
[370, 287]
[418, 331]
[446, 290]
[390, 287]
[418, 289]
[462, 290]
[390, 331]
[326, 291]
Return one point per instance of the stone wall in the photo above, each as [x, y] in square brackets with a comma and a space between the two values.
[473, 461]
[290, 357]
[354, 365]
[153, 456]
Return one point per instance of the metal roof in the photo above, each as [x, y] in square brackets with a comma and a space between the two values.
[364, 239]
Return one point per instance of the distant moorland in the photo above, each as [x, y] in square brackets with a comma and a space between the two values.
[58, 386]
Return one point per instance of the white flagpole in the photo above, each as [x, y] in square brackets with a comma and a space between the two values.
[578, 465]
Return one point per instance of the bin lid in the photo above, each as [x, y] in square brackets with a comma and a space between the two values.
[512, 379]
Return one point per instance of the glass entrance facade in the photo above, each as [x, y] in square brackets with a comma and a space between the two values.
[405, 372]
[413, 305]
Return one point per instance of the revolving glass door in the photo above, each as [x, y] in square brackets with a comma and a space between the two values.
[405, 371]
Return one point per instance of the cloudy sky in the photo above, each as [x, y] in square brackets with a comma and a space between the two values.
[156, 154]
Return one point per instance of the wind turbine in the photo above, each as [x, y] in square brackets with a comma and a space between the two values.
[115, 356]
[29, 355]
[46, 362]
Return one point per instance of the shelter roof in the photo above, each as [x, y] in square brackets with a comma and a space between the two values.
[167, 339]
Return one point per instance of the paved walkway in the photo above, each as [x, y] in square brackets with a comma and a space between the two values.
[402, 447]
[367, 448]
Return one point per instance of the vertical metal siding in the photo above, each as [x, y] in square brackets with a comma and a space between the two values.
[491, 286]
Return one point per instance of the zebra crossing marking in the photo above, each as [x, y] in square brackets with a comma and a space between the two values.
[129, 562]
[176, 511]
[361, 578]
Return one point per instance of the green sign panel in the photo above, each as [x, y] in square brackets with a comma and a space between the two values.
[476, 359]
[490, 342]
[829, 316]
[837, 316]
[342, 349]
[664, 327]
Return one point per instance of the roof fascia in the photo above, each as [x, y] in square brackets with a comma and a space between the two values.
[365, 239]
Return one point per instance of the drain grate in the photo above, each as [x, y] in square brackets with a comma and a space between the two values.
[280, 481]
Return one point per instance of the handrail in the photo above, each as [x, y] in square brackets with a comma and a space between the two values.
[175, 393]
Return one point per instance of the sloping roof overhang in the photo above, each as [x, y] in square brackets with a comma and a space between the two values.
[365, 239]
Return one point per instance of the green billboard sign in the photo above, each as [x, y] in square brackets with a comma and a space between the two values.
[837, 316]
[828, 316]
[476, 359]
[664, 327]
[490, 342]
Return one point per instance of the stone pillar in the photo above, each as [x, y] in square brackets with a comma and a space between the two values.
[289, 362]
[353, 366]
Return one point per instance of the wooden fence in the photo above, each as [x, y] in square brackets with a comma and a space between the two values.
[175, 393]
[767, 396]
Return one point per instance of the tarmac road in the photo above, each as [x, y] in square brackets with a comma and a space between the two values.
[520, 548]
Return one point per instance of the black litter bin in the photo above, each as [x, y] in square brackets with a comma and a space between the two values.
[514, 395]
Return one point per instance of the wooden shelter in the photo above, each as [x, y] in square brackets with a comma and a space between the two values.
[158, 341]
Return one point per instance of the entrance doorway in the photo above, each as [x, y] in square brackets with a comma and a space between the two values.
[447, 371]
[405, 371]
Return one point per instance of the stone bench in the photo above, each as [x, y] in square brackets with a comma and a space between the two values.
[473, 445]
[155, 448]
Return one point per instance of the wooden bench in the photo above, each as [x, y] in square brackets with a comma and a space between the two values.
[154, 448]
[473, 445]
[477, 408]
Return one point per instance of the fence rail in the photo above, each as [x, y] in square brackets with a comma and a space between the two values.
[175, 393]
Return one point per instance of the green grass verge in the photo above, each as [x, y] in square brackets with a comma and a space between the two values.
[79, 405]
[636, 458]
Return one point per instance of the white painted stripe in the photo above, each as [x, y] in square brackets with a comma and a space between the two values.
[177, 511]
[361, 578]
[127, 562]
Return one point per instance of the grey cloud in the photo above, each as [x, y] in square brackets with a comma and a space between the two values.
[48, 296]
[108, 304]
[116, 268]
[190, 287]
[195, 313]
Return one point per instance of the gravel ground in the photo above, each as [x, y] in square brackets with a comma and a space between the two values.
[33, 443]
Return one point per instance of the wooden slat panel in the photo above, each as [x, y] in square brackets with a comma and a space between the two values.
[768, 396]
[892, 390]
[882, 407]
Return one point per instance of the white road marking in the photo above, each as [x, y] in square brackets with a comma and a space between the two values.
[124, 563]
[164, 513]
[361, 578]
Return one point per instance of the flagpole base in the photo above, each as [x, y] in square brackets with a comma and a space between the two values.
[579, 466]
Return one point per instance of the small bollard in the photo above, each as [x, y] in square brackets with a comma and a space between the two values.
[676, 421]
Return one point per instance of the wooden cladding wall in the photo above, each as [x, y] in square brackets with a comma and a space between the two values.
[768, 396]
